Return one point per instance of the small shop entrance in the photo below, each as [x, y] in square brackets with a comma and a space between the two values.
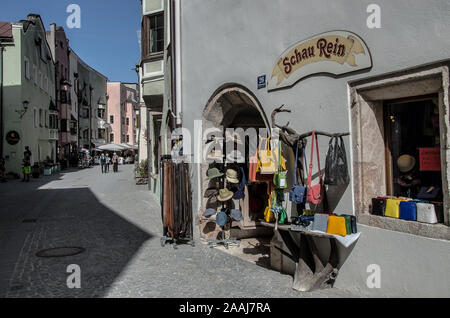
[232, 107]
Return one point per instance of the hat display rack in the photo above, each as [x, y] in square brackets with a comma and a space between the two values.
[221, 183]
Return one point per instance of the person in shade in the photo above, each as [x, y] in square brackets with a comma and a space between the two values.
[26, 164]
[103, 162]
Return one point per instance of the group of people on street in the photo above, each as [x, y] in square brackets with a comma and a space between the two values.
[106, 161]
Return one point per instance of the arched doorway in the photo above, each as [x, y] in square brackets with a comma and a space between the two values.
[233, 106]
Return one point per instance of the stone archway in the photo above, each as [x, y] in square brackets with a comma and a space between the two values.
[231, 106]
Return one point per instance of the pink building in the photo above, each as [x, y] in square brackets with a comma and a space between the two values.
[122, 109]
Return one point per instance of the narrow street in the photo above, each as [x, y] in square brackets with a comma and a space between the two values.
[118, 224]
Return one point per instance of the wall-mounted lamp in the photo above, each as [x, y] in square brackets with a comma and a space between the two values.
[25, 104]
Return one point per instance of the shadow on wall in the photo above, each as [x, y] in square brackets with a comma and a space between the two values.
[66, 218]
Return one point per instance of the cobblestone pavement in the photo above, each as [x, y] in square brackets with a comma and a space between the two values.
[119, 226]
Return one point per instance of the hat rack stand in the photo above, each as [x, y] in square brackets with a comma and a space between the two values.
[224, 241]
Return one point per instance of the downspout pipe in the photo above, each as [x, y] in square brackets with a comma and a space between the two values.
[177, 60]
[1, 99]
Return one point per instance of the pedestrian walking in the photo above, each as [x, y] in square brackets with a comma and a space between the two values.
[108, 162]
[26, 164]
[115, 161]
[103, 162]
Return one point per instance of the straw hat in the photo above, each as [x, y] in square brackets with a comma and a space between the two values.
[232, 176]
[224, 195]
[406, 163]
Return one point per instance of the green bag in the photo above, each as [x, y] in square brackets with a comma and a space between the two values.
[280, 178]
[283, 216]
[348, 224]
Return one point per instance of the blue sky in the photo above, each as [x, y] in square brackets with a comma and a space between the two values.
[107, 39]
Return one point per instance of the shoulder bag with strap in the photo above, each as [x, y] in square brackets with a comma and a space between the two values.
[298, 193]
[254, 167]
[315, 193]
[240, 193]
[267, 159]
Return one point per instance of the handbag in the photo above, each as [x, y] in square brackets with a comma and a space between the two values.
[279, 178]
[315, 193]
[408, 210]
[393, 208]
[269, 217]
[426, 213]
[336, 225]
[378, 206]
[320, 222]
[240, 193]
[336, 170]
[267, 159]
[254, 166]
[298, 193]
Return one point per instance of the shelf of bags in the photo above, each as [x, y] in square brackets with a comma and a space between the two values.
[287, 227]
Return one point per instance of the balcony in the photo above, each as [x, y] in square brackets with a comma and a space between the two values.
[53, 134]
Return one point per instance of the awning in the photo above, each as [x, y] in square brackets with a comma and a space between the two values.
[112, 147]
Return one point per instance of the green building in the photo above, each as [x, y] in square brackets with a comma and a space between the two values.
[29, 112]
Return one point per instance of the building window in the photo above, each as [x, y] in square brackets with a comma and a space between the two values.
[111, 119]
[128, 138]
[36, 119]
[40, 117]
[101, 113]
[63, 125]
[111, 137]
[128, 121]
[156, 33]
[101, 133]
[35, 75]
[26, 66]
[46, 119]
[123, 120]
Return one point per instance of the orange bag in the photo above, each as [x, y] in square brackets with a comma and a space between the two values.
[336, 225]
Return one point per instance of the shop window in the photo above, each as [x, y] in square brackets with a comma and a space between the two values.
[156, 33]
[411, 129]
[400, 138]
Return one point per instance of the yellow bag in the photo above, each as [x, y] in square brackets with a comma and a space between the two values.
[393, 208]
[269, 217]
[267, 160]
[336, 225]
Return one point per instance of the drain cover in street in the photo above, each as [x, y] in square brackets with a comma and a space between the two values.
[60, 252]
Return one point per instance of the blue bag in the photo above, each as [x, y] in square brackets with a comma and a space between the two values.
[408, 210]
[240, 193]
[298, 193]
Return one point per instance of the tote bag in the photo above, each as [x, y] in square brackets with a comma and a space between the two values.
[254, 166]
[336, 170]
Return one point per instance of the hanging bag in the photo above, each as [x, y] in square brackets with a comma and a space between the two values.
[255, 165]
[336, 170]
[269, 217]
[298, 193]
[267, 159]
[240, 193]
[315, 193]
[279, 179]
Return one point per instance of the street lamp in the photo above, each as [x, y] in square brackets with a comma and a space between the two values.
[25, 104]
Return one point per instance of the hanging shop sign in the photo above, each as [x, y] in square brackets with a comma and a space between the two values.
[12, 138]
[335, 52]
[430, 159]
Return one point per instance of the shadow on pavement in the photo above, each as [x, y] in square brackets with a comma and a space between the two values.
[31, 221]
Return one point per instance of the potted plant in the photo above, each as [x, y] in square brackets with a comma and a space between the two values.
[141, 172]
